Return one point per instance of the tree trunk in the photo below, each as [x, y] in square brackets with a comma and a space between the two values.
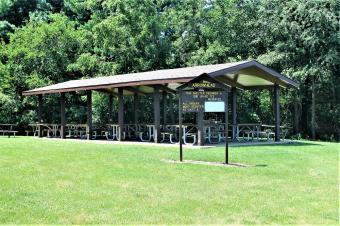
[333, 107]
[313, 122]
[296, 113]
[296, 117]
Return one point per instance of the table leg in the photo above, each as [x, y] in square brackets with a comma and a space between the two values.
[237, 133]
[151, 135]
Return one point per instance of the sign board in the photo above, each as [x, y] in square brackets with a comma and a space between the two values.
[207, 101]
[203, 94]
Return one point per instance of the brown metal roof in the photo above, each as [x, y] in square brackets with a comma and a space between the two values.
[244, 74]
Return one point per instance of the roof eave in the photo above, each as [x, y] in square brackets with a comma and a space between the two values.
[284, 79]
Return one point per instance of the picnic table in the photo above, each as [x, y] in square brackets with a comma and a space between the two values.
[214, 131]
[249, 131]
[146, 132]
[114, 129]
[7, 129]
[51, 129]
[76, 130]
[189, 131]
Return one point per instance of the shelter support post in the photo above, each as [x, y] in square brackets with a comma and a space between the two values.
[200, 128]
[40, 109]
[164, 96]
[110, 108]
[62, 116]
[120, 113]
[277, 112]
[226, 129]
[234, 112]
[156, 110]
[180, 110]
[135, 108]
[89, 114]
[171, 108]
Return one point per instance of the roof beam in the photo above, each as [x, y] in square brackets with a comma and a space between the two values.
[136, 90]
[166, 89]
[230, 82]
[236, 77]
[259, 87]
[109, 91]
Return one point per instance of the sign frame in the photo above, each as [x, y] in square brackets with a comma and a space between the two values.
[203, 83]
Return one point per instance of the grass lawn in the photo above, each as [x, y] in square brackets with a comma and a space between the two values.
[63, 182]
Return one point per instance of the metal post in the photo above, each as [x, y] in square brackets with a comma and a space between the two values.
[234, 112]
[180, 126]
[277, 112]
[226, 129]
[156, 110]
[89, 115]
[62, 116]
[40, 120]
[120, 113]
[110, 108]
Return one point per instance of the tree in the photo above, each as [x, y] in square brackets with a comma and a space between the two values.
[39, 54]
[306, 48]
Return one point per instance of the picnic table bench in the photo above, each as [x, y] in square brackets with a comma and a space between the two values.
[8, 129]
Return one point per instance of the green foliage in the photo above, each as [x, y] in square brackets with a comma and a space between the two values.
[8, 108]
[5, 29]
[307, 48]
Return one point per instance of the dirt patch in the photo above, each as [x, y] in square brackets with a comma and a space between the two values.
[197, 162]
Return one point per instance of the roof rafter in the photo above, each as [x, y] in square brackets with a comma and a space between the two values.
[229, 81]
[108, 91]
[166, 89]
[135, 90]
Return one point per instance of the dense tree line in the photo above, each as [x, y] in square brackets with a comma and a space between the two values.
[49, 41]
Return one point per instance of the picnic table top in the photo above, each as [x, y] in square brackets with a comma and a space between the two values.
[150, 124]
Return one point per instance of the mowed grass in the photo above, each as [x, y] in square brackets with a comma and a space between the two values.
[62, 182]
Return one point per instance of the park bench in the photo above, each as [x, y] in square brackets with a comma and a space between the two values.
[268, 134]
[31, 131]
[7, 129]
[8, 132]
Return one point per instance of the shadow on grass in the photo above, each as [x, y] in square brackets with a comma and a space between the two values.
[6, 137]
[261, 165]
[290, 144]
